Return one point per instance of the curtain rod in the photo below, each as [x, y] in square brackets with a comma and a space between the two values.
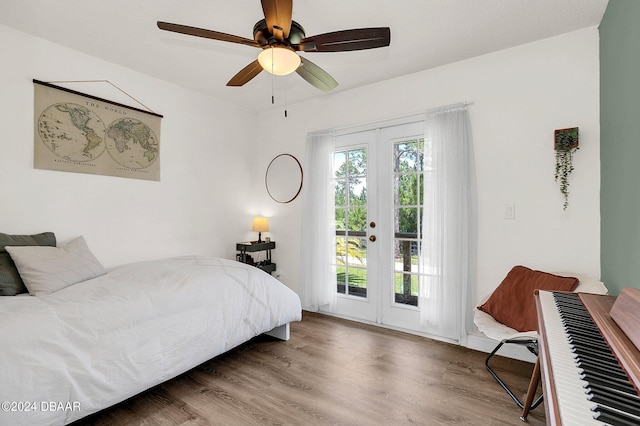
[387, 122]
[448, 107]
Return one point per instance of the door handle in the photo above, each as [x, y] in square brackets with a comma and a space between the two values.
[372, 238]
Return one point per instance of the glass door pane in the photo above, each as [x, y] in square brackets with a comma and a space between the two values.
[350, 186]
[408, 183]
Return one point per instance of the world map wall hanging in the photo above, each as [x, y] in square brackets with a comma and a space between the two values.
[76, 132]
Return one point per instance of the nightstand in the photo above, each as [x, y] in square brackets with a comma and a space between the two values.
[244, 248]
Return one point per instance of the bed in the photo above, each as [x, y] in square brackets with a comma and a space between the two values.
[84, 347]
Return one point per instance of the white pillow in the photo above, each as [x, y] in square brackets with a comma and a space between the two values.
[45, 270]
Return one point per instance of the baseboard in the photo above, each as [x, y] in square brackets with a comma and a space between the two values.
[391, 327]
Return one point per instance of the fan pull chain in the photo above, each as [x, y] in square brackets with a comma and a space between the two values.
[273, 99]
[285, 101]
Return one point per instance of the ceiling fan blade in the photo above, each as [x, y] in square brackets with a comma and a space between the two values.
[199, 32]
[245, 74]
[278, 15]
[346, 40]
[316, 76]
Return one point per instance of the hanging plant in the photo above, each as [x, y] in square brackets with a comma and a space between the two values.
[565, 144]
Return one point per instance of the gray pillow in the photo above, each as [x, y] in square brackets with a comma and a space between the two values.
[10, 281]
[46, 270]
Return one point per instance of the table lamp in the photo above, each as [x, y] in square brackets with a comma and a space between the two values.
[260, 225]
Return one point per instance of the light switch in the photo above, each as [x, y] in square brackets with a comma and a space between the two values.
[510, 211]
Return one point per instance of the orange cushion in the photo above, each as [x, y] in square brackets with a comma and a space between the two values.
[513, 304]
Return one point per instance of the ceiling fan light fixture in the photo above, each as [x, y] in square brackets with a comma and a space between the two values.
[279, 60]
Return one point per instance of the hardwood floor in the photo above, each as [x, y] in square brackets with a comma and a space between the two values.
[334, 371]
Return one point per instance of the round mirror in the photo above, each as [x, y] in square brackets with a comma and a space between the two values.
[284, 178]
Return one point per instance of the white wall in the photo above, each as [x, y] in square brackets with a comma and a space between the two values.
[519, 96]
[200, 206]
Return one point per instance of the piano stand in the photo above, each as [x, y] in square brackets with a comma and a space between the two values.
[533, 385]
[532, 346]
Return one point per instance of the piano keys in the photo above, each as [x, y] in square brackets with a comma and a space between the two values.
[589, 367]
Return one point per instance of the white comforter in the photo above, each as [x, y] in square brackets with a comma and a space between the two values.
[71, 353]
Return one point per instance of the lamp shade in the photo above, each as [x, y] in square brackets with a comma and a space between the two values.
[279, 60]
[260, 224]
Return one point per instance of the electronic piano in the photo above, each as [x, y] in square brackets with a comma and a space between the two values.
[589, 357]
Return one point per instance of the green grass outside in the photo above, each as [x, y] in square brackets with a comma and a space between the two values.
[356, 281]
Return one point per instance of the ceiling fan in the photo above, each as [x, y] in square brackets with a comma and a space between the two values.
[280, 38]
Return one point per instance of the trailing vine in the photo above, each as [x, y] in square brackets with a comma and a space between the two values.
[566, 144]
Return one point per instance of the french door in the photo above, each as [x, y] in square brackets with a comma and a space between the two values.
[378, 180]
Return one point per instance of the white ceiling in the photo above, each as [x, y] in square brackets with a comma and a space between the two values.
[424, 34]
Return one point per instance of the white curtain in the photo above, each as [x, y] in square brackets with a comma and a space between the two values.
[318, 228]
[447, 253]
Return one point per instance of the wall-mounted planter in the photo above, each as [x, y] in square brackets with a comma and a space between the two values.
[565, 143]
